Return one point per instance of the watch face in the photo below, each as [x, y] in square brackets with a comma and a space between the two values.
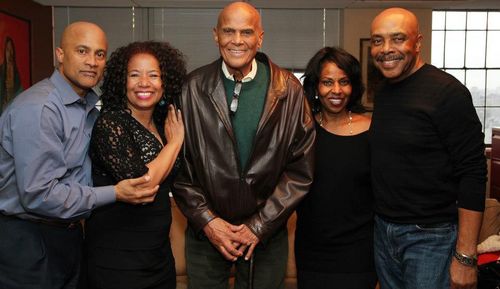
[467, 261]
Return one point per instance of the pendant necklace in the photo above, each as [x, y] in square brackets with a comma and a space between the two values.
[349, 120]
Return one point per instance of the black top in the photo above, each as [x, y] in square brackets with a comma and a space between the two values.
[335, 220]
[427, 149]
[120, 148]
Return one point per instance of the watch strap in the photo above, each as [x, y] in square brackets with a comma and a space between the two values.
[464, 259]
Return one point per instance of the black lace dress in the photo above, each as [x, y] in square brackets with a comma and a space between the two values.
[128, 246]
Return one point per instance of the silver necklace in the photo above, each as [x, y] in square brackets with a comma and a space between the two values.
[349, 120]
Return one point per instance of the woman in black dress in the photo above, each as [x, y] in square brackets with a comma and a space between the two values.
[139, 131]
[334, 237]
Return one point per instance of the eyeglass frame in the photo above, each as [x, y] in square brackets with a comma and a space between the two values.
[233, 107]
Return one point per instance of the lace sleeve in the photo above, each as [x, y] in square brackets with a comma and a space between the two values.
[113, 147]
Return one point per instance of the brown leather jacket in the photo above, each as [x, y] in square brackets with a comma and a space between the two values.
[279, 170]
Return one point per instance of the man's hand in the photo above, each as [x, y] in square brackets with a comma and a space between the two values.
[135, 191]
[461, 276]
[225, 237]
[251, 241]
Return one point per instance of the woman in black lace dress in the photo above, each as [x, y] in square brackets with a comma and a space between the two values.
[128, 246]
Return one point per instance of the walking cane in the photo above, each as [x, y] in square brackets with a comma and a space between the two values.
[250, 272]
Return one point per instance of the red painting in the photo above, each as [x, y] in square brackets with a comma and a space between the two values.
[15, 57]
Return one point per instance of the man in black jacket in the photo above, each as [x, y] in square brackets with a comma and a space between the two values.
[248, 158]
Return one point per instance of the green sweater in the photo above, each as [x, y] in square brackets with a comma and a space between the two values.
[250, 106]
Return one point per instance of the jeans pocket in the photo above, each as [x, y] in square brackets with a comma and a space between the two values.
[445, 227]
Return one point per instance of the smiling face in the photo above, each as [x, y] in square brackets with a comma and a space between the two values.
[144, 84]
[395, 43]
[334, 88]
[238, 35]
[82, 56]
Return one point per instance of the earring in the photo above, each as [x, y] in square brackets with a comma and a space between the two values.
[163, 101]
[316, 104]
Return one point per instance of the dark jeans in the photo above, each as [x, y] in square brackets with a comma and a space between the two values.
[206, 268]
[38, 256]
[409, 256]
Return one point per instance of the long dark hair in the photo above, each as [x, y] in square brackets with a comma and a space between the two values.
[345, 61]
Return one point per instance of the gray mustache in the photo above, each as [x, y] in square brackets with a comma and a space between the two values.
[388, 57]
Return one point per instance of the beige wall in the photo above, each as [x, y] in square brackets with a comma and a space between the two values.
[357, 25]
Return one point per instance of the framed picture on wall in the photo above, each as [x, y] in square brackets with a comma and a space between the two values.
[369, 73]
[15, 57]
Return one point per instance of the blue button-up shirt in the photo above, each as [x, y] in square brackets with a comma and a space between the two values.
[45, 171]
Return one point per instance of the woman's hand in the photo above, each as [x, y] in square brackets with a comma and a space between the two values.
[160, 167]
[174, 127]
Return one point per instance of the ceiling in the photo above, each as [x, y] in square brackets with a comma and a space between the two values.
[448, 4]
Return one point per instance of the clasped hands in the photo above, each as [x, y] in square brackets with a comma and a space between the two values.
[230, 240]
[136, 191]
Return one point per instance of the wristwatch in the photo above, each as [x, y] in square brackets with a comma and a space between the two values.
[466, 260]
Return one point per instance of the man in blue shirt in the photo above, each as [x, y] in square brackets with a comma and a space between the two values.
[45, 171]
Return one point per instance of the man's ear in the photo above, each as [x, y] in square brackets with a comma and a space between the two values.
[216, 37]
[59, 54]
[418, 44]
[261, 38]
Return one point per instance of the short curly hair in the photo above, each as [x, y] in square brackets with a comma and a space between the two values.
[173, 73]
[345, 61]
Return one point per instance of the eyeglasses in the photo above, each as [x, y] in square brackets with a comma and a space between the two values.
[236, 93]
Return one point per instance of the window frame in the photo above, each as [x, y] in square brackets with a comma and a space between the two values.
[481, 108]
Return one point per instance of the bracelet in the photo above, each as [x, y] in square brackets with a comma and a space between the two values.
[470, 261]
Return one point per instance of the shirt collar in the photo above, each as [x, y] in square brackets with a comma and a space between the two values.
[249, 77]
[68, 95]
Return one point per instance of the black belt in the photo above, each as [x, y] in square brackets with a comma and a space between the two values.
[53, 223]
